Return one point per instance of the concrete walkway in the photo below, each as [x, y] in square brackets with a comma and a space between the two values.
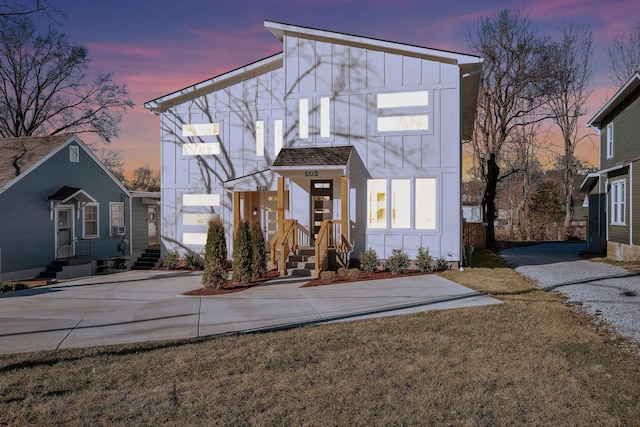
[137, 306]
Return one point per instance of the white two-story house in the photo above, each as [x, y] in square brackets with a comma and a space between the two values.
[339, 141]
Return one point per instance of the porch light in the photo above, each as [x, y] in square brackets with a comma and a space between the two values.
[255, 211]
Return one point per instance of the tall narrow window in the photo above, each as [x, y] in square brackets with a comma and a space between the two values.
[260, 138]
[277, 136]
[400, 203]
[116, 218]
[304, 118]
[618, 202]
[425, 203]
[609, 140]
[325, 117]
[74, 153]
[90, 221]
[377, 203]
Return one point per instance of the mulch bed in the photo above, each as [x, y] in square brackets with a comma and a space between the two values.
[386, 274]
[232, 287]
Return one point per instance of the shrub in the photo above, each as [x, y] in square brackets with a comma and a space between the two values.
[193, 261]
[215, 256]
[441, 264]
[171, 260]
[398, 262]
[242, 254]
[369, 261]
[258, 244]
[328, 275]
[424, 260]
[353, 273]
[342, 271]
[9, 287]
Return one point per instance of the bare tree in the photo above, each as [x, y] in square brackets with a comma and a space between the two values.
[144, 179]
[511, 92]
[571, 77]
[14, 9]
[43, 88]
[624, 55]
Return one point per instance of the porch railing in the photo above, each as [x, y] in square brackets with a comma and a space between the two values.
[285, 241]
[331, 237]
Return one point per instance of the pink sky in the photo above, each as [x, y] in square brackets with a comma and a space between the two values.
[159, 46]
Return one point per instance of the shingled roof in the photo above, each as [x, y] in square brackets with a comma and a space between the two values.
[18, 155]
[313, 156]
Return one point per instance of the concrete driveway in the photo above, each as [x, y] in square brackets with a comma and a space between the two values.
[603, 290]
[137, 306]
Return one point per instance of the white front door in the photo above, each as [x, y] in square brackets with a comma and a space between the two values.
[65, 247]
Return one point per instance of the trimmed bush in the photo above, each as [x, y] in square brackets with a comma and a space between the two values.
[424, 261]
[441, 264]
[398, 262]
[258, 244]
[10, 287]
[369, 261]
[242, 254]
[171, 260]
[215, 256]
[193, 261]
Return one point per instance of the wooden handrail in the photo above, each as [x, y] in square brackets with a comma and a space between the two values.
[285, 241]
[327, 239]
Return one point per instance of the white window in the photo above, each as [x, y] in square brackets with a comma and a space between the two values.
[403, 123]
[74, 153]
[90, 221]
[377, 203]
[304, 118]
[277, 136]
[425, 204]
[200, 200]
[116, 218]
[260, 138]
[403, 99]
[400, 203]
[325, 117]
[609, 140]
[618, 196]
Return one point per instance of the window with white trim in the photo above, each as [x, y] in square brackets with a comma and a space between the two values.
[325, 117]
[377, 203]
[116, 218]
[260, 138]
[400, 203]
[425, 204]
[304, 118]
[74, 153]
[277, 136]
[610, 140]
[90, 221]
[618, 197]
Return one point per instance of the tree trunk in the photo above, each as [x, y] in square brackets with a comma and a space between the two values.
[489, 199]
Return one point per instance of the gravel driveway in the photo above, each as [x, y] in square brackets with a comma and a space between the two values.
[604, 290]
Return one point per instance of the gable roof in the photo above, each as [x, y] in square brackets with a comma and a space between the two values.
[627, 89]
[313, 156]
[22, 155]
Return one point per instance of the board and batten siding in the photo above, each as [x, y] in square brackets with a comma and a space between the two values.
[626, 131]
[353, 77]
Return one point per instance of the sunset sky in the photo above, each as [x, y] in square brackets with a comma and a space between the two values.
[159, 46]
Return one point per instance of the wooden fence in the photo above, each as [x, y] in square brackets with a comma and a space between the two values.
[474, 234]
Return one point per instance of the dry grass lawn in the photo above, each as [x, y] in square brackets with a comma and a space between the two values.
[531, 361]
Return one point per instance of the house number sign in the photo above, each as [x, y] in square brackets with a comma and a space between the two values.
[261, 188]
[310, 173]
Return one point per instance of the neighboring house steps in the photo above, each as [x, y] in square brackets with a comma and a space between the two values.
[147, 260]
[302, 264]
[67, 268]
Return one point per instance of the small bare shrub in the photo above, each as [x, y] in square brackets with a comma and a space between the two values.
[343, 272]
[353, 273]
[398, 262]
[328, 275]
[369, 261]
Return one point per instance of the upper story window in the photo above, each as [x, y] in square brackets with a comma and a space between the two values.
[618, 202]
[74, 153]
[303, 121]
[260, 138]
[403, 111]
[609, 140]
[325, 117]
[116, 218]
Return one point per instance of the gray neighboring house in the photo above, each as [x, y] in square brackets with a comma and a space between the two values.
[59, 202]
[338, 143]
[613, 191]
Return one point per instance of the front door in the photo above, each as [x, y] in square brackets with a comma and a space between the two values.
[321, 203]
[65, 247]
[152, 225]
